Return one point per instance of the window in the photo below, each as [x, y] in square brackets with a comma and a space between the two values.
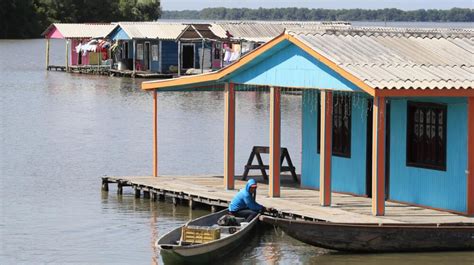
[426, 135]
[341, 125]
[154, 52]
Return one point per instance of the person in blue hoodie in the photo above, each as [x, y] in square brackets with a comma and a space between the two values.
[243, 204]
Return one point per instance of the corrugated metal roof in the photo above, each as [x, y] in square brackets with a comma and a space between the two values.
[152, 30]
[396, 58]
[78, 30]
[263, 31]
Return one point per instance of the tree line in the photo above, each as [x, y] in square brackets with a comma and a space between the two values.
[318, 14]
[28, 18]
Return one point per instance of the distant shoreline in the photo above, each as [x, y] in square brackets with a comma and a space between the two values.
[306, 14]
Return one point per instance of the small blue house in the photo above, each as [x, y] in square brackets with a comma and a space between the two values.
[147, 46]
[388, 113]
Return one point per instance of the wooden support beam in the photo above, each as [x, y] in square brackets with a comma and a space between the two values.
[67, 55]
[470, 156]
[155, 134]
[137, 192]
[378, 157]
[179, 58]
[202, 56]
[221, 54]
[119, 188]
[47, 53]
[275, 128]
[325, 158]
[229, 136]
[146, 194]
[134, 56]
[105, 185]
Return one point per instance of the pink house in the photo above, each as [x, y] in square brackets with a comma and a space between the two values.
[75, 34]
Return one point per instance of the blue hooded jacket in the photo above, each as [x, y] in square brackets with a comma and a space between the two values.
[244, 200]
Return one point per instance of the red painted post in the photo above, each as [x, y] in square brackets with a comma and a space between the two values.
[470, 156]
[326, 148]
[275, 133]
[229, 136]
[378, 157]
[155, 134]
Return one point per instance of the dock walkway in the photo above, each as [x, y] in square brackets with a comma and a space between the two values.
[297, 203]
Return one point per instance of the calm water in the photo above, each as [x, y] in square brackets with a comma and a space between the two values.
[60, 132]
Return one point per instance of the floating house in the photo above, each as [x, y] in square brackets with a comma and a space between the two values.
[387, 113]
[79, 35]
[200, 48]
[147, 46]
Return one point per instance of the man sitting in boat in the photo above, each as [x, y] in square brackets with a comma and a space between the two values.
[243, 204]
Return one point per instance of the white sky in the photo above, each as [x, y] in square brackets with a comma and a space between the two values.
[330, 4]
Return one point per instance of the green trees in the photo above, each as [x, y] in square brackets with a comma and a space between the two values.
[28, 18]
[318, 14]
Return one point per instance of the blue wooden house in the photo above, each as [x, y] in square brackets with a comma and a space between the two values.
[388, 113]
[147, 46]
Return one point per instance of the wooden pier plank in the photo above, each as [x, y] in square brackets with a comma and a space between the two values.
[301, 203]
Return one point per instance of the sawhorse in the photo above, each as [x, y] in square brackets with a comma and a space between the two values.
[256, 151]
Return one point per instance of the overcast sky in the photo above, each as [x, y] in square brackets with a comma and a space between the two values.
[331, 4]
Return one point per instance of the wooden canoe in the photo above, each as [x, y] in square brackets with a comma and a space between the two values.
[172, 252]
[379, 237]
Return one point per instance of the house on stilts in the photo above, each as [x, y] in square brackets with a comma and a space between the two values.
[86, 45]
[387, 113]
[146, 47]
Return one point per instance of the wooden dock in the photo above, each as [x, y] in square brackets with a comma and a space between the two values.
[106, 70]
[60, 68]
[296, 203]
[140, 74]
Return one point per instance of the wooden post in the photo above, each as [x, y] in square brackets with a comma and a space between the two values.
[325, 158]
[179, 58]
[470, 156]
[134, 56]
[146, 194]
[378, 157]
[137, 192]
[105, 185]
[160, 50]
[202, 56]
[275, 127]
[155, 134]
[67, 55]
[47, 53]
[229, 136]
[119, 188]
[221, 53]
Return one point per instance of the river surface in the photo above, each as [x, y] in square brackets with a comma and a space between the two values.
[59, 133]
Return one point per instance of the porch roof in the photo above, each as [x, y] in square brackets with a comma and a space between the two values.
[373, 59]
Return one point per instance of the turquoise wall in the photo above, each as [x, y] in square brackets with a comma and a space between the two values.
[348, 174]
[434, 188]
[291, 66]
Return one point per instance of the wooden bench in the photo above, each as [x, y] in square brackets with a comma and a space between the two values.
[256, 151]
